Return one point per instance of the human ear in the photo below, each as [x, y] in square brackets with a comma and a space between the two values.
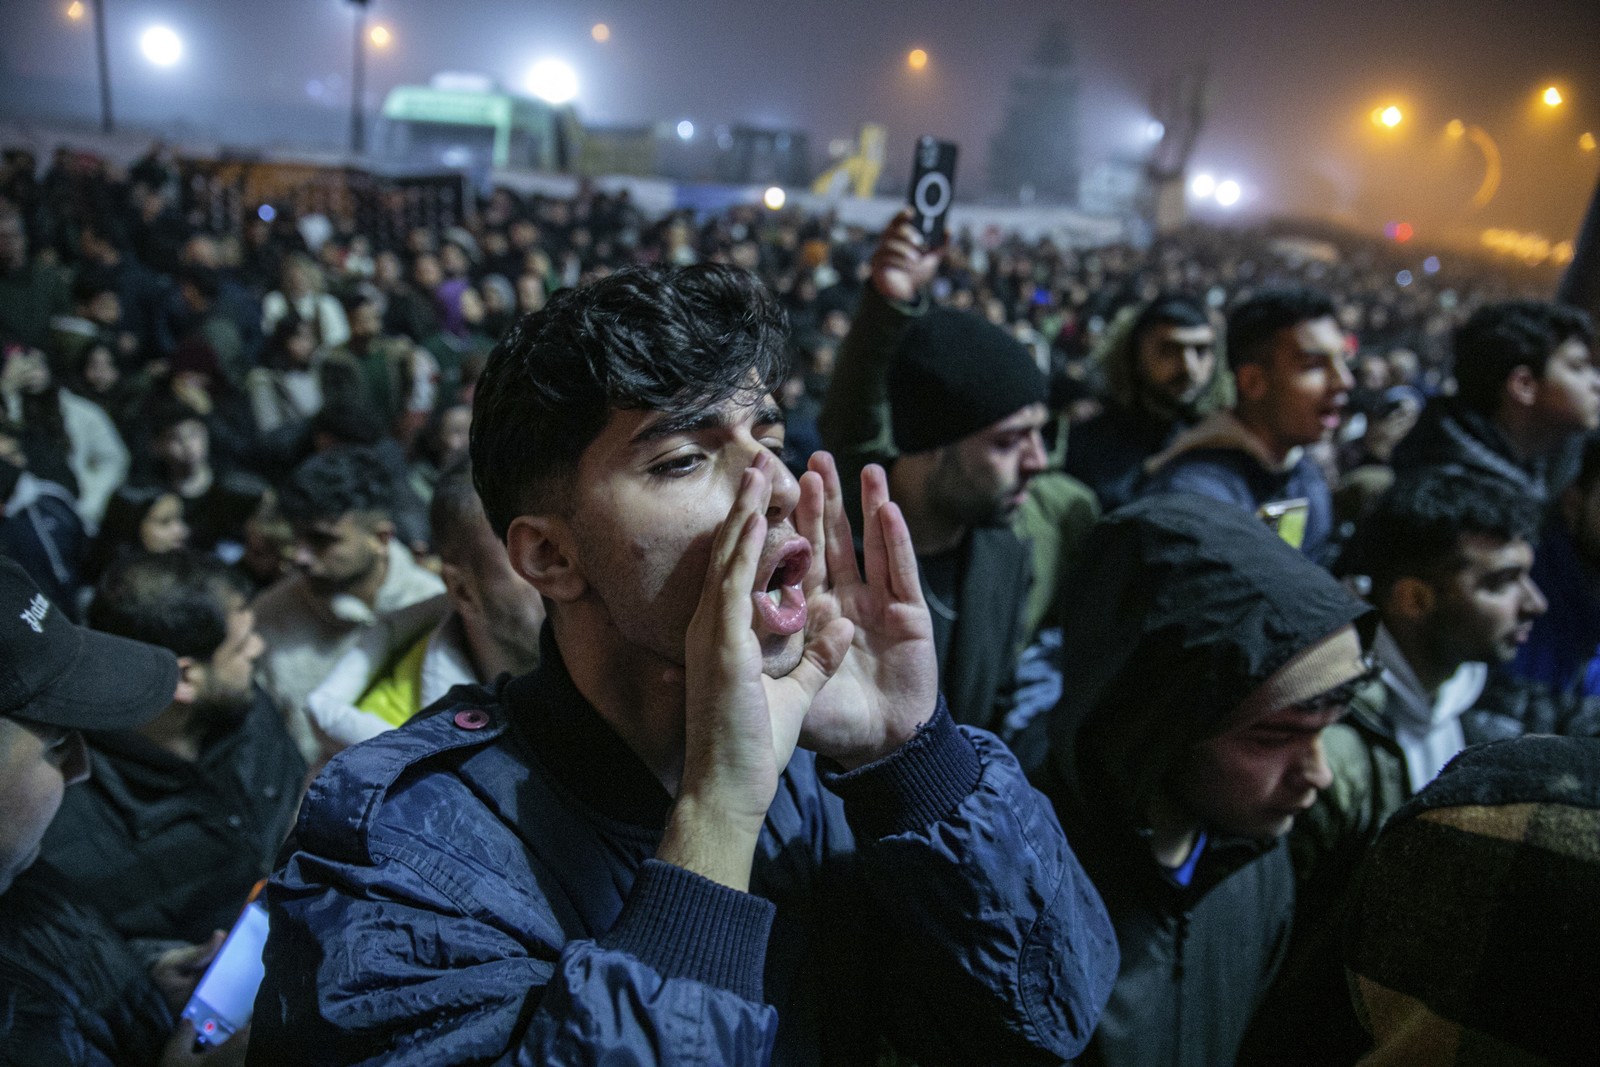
[1522, 386]
[190, 677]
[1411, 599]
[383, 530]
[1251, 381]
[540, 550]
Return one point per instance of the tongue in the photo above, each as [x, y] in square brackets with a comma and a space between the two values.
[786, 616]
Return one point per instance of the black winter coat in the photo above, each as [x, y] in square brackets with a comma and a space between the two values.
[1182, 608]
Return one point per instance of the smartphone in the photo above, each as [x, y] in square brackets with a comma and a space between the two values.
[933, 187]
[226, 995]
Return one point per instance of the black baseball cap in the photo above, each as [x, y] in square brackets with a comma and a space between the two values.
[56, 672]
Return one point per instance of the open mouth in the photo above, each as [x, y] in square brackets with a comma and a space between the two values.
[780, 603]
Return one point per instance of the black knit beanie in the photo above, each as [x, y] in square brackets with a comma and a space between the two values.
[953, 374]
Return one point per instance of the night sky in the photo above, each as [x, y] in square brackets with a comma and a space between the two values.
[1293, 81]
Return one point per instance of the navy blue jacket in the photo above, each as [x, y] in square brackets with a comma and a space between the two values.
[477, 887]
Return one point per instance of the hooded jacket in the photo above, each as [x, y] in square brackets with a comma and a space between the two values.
[1186, 610]
[1220, 458]
[1450, 434]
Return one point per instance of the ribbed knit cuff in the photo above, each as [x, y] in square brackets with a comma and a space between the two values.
[913, 787]
[686, 926]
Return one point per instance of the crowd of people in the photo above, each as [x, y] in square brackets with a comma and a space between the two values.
[811, 646]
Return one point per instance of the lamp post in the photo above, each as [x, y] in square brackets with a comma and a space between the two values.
[102, 58]
[358, 81]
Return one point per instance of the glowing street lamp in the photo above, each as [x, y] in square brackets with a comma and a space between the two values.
[1228, 193]
[1586, 142]
[161, 46]
[380, 36]
[1455, 129]
[552, 81]
[600, 32]
[774, 198]
[76, 11]
[917, 59]
[1390, 117]
[1202, 186]
[685, 130]
[1552, 97]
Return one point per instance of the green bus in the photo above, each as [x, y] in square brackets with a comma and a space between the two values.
[465, 124]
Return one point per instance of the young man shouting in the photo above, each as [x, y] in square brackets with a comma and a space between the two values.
[728, 819]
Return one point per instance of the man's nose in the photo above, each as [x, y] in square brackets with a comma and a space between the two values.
[1034, 456]
[785, 489]
[1314, 768]
[1534, 603]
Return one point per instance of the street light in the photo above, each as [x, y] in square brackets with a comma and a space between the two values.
[685, 130]
[1202, 186]
[1228, 193]
[601, 32]
[161, 46]
[1390, 117]
[774, 198]
[75, 10]
[1552, 97]
[380, 36]
[917, 59]
[552, 81]
[1586, 142]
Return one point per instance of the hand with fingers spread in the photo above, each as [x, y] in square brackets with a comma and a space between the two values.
[901, 266]
[741, 725]
[888, 684]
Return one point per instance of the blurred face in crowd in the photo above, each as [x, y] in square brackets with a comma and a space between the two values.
[37, 763]
[366, 321]
[163, 528]
[1175, 365]
[453, 260]
[1296, 395]
[1483, 611]
[100, 369]
[425, 272]
[530, 293]
[455, 431]
[222, 683]
[1253, 779]
[184, 448]
[387, 269]
[104, 308]
[983, 478]
[339, 555]
[1568, 395]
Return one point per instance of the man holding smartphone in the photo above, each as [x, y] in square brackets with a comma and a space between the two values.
[71, 990]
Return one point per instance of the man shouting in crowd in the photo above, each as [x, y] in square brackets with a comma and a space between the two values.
[728, 819]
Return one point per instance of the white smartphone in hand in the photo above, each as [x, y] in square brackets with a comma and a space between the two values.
[222, 1002]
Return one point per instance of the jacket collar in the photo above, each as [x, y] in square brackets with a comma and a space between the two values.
[564, 732]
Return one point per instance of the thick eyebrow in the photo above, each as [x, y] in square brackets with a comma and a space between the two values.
[768, 414]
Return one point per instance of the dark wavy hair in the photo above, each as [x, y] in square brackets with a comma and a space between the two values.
[1499, 338]
[670, 340]
[1415, 529]
[178, 600]
[338, 482]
